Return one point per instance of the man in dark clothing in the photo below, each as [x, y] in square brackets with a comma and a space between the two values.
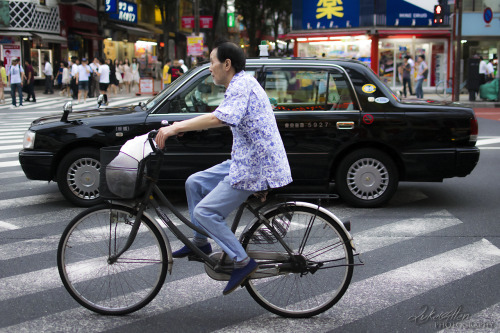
[175, 71]
[30, 81]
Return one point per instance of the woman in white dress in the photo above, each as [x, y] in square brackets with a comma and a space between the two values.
[127, 74]
[118, 71]
[135, 72]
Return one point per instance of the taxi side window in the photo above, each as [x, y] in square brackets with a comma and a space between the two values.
[367, 92]
[307, 89]
[204, 96]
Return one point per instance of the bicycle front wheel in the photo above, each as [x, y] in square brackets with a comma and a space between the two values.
[105, 287]
[441, 89]
[324, 252]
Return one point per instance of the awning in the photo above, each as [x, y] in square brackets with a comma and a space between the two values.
[50, 38]
[135, 31]
[87, 35]
[15, 33]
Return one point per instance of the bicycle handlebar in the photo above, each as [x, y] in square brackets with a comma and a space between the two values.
[151, 137]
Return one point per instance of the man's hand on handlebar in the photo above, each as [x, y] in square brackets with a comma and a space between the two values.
[164, 133]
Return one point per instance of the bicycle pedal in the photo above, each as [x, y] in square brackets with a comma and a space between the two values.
[194, 257]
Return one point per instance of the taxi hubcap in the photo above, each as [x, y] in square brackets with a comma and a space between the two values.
[83, 178]
[367, 179]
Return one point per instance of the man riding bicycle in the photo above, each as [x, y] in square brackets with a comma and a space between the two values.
[258, 158]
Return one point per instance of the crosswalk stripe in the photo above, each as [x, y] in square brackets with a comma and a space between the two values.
[19, 146]
[11, 174]
[8, 226]
[9, 155]
[30, 200]
[20, 140]
[9, 164]
[392, 288]
[395, 232]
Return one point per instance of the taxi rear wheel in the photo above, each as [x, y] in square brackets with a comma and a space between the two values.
[78, 177]
[367, 178]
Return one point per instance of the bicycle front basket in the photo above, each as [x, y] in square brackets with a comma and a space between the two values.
[121, 176]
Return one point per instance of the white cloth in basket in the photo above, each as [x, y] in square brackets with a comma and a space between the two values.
[122, 171]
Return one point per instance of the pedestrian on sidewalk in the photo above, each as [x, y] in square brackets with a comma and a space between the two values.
[103, 76]
[166, 76]
[113, 80]
[16, 77]
[30, 81]
[94, 79]
[66, 80]
[422, 72]
[3, 82]
[407, 76]
[49, 76]
[82, 80]
[74, 69]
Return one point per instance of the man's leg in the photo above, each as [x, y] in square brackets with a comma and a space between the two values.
[199, 185]
[20, 92]
[212, 211]
[13, 88]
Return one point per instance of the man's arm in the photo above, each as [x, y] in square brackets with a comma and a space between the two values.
[194, 124]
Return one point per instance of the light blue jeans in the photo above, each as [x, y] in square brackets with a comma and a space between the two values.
[419, 92]
[211, 198]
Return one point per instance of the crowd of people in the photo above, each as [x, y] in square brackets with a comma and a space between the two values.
[80, 79]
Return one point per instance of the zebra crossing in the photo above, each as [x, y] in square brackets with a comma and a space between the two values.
[412, 252]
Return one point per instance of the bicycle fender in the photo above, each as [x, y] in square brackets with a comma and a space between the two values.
[160, 229]
[308, 205]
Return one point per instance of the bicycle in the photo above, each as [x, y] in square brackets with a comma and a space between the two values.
[444, 88]
[113, 258]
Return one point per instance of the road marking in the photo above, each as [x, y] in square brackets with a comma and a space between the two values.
[8, 226]
[19, 146]
[382, 291]
[30, 200]
[9, 164]
[487, 141]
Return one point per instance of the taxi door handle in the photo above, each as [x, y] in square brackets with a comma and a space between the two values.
[345, 124]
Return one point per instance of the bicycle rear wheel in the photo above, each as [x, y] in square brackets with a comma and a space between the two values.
[319, 242]
[108, 288]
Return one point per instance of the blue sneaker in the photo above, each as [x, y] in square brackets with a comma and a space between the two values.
[186, 251]
[239, 276]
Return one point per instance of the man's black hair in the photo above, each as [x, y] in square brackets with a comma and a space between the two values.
[231, 51]
[422, 56]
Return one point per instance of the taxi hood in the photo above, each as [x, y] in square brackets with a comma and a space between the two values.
[87, 114]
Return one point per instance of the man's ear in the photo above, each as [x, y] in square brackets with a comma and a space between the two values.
[227, 64]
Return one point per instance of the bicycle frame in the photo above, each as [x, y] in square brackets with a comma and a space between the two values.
[154, 196]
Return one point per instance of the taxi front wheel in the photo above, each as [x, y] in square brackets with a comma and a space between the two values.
[367, 178]
[78, 177]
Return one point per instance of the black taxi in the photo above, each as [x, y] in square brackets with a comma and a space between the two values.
[343, 130]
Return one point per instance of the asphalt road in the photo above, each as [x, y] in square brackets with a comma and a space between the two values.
[432, 259]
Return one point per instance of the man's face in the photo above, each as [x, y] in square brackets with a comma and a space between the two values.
[217, 69]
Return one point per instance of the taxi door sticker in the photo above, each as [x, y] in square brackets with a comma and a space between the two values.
[369, 88]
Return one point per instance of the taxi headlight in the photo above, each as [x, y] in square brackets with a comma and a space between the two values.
[29, 140]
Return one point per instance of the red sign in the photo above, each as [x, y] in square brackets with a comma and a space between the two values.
[206, 22]
[368, 119]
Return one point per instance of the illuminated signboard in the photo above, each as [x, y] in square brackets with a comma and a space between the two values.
[330, 14]
[127, 12]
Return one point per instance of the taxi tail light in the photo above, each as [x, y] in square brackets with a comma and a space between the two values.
[474, 129]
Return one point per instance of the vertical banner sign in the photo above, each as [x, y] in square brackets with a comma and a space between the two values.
[230, 13]
[111, 6]
[330, 14]
[195, 46]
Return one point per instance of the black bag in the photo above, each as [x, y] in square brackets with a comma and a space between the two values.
[426, 73]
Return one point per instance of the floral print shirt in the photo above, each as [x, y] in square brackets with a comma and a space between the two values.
[258, 157]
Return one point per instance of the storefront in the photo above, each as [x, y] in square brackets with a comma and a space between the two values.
[80, 26]
[383, 50]
[378, 35]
